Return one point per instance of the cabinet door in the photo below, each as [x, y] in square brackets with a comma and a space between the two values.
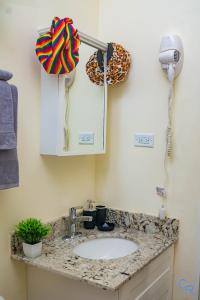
[44, 285]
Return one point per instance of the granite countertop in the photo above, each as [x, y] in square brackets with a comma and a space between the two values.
[110, 274]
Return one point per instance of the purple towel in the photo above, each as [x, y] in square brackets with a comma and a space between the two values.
[7, 133]
[9, 169]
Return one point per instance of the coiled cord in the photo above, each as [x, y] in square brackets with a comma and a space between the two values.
[169, 139]
[66, 127]
[169, 134]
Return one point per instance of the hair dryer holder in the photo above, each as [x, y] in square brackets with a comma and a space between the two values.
[171, 56]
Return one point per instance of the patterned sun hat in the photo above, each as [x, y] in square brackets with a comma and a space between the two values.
[118, 65]
[58, 49]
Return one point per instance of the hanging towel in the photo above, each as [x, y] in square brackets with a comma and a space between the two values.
[5, 75]
[58, 49]
[7, 133]
[9, 168]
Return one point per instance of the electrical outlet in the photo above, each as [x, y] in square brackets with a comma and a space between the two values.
[86, 138]
[144, 140]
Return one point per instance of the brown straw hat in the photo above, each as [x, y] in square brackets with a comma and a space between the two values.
[118, 65]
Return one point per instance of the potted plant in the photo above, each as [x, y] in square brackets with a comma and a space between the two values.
[31, 231]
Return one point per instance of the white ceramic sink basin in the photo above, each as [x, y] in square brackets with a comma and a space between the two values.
[105, 248]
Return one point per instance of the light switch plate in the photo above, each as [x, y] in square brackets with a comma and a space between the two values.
[144, 140]
[86, 138]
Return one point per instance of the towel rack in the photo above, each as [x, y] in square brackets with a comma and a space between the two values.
[85, 38]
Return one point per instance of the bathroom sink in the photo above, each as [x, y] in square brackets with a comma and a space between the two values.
[105, 248]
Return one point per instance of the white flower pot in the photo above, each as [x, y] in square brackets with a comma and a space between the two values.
[32, 251]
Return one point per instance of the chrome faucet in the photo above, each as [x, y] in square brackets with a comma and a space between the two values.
[74, 220]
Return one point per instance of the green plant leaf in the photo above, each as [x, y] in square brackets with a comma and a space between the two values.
[32, 231]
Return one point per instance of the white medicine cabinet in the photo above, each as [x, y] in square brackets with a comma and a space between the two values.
[73, 112]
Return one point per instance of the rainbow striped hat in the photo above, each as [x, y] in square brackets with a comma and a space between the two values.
[58, 49]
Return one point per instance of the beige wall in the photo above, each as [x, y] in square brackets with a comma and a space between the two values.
[48, 186]
[126, 176]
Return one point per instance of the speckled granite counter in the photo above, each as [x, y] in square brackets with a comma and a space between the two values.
[153, 238]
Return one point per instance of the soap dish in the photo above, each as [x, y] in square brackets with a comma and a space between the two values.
[106, 227]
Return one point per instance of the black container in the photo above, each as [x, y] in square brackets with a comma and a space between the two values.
[90, 224]
[106, 227]
[101, 214]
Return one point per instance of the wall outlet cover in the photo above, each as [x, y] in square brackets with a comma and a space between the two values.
[144, 140]
[86, 138]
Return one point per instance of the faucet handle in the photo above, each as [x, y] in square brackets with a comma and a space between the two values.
[72, 210]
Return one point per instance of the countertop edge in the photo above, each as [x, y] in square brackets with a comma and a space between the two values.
[54, 271]
[90, 282]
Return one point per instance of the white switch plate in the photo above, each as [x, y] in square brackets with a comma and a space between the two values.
[144, 140]
[86, 138]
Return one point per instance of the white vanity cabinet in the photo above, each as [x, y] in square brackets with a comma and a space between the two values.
[153, 282]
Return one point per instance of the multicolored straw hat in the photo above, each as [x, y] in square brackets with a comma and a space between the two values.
[118, 65]
[58, 49]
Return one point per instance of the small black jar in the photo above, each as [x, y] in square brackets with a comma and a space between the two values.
[101, 214]
[90, 213]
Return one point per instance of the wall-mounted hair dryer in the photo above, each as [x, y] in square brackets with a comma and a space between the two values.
[171, 55]
[171, 59]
